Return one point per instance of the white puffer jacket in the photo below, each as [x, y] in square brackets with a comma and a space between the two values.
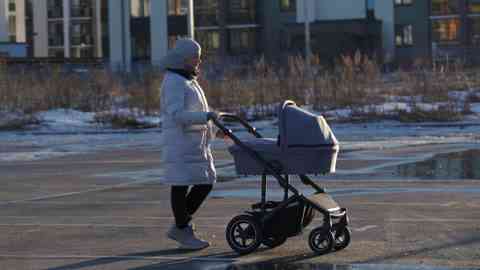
[186, 133]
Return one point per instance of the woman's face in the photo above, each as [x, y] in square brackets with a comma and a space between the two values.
[193, 63]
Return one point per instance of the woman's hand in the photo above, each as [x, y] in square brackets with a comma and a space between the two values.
[221, 135]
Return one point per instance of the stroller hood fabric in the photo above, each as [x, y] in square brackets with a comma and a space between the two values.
[300, 128]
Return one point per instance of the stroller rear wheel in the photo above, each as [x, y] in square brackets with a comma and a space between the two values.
[321, 241]
[342, 238]
[244, 234]
[273, 242]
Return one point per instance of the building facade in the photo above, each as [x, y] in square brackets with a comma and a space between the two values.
[437, 30]
[66, 28]
[336, 27]
[130, 31]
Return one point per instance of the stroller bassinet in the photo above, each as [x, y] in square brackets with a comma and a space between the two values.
[305, 145]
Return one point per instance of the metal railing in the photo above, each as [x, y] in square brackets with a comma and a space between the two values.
[81, 40]
[241, 17]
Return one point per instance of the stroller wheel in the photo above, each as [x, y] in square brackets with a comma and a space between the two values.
[321, 241]
[244, 234]
[342, 239]
[273, 242]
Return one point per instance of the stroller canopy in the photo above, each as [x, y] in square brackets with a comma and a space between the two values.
[299, 128]
[305, 145]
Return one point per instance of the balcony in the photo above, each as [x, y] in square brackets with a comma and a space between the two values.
[82, 40]
[81, 11]
[242, 17]
[206, 19]
[55, 13]
[55, 41]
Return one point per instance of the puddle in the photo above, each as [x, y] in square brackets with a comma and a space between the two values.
[195, 265]
[458, 165]
[278, 194]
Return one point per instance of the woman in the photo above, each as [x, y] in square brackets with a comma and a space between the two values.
[186, 154]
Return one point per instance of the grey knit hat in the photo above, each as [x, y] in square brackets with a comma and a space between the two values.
[184, 49]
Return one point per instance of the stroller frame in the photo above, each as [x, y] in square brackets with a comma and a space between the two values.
[254, 227]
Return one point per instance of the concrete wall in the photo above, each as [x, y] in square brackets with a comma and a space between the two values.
[353, 9]
[3, 21]
[40, 27]
[418, 16]
[274, 24]
[21, 34]
[340, 9]
[159, 31]
[330, 10]
[119, 28]
[384, 11]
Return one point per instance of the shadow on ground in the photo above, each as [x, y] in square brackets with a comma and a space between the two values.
[229, 260]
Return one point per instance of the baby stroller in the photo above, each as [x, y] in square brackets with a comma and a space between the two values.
[305, 145]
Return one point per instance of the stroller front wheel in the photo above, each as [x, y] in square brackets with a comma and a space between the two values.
[244, 234]
[342, 238]
[321, 241]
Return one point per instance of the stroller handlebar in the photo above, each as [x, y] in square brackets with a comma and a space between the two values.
[234, 118]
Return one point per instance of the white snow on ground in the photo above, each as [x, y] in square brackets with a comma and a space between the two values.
[66, 132]
[66, 120]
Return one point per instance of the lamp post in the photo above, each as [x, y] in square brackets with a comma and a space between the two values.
[308, 49]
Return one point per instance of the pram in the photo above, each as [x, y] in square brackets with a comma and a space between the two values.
[305, 145]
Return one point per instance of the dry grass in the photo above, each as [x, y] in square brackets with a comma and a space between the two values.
[355, 82]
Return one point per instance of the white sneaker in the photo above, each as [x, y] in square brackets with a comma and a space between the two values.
[187, 238]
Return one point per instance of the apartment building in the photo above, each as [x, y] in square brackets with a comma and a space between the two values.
[67, 28]
[12, 34]
[228, 28]
[336, 27]
[437, 30]
[131, 31]
[142, 30]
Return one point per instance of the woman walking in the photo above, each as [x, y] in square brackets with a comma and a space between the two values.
[186, 135]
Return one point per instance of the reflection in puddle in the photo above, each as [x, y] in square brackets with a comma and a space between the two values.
[459, 165]
[335, 192]
[195, 265]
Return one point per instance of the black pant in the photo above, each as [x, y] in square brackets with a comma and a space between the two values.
[185, 203]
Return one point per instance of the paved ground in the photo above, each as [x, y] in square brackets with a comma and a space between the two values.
[60, 214]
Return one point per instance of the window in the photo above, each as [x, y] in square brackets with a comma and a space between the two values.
[288, 5]
[242, 40]
[241, 12]
[177, 7]
[474, 27]
[140, 8]
[403, 2]
[206, 12]
[58, 53]
[81, 33]
[81, 52]
[81, 8]
[210, 40]
[55, 9]
[55, 33]
[445, 30]
[11, 5]
[474, 6]
[445, 7]
[12, 25]
[403, 35]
